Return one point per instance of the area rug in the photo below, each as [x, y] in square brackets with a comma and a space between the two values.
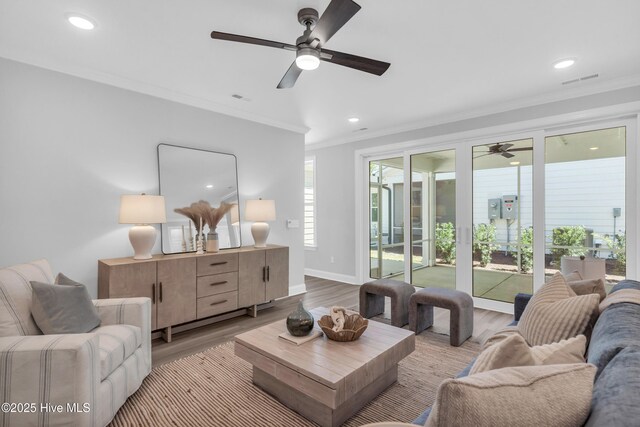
[214, 388]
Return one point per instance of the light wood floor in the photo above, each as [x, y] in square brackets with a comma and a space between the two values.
[320, 293]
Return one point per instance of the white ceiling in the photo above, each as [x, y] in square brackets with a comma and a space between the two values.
[449, 59]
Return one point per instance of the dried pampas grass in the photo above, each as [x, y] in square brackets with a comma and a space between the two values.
[202, 209]
[214, 215]
[192, 215]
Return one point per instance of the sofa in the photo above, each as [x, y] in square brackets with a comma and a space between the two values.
[614, 348]
[90, 375]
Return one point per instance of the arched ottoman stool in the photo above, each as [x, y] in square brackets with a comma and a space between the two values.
[458, 303]
[372, 299]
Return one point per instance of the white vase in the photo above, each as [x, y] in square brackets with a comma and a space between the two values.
[213, 244]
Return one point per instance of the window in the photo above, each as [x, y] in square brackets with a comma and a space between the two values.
[310, 202]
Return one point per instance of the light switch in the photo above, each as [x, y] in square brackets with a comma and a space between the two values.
[293, 223]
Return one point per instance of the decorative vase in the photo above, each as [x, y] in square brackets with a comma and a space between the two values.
[300, 322]
[199, 244]
[213, 244]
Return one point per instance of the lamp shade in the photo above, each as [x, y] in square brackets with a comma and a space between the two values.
[142, 209]
[235, 214]
[260, 210]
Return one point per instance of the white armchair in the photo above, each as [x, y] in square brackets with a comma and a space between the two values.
[68, 380]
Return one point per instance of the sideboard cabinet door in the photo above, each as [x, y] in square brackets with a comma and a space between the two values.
[251, 278]
[176, 300]
[277, 262]
[129, 281]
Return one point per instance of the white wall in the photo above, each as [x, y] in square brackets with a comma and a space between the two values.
[577, 193]
[335, 174]
[70, 147]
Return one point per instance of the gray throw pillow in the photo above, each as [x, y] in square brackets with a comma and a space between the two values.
[63, 308]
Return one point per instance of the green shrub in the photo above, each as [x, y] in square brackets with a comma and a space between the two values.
[526, 250]
[446, 242]
[572, 237]
[484, 237]
[618, 245]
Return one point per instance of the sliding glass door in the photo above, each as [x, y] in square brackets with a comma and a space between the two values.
[502, 197]
[495, 217]
[585, 227]
[433, 219]
[386, 222]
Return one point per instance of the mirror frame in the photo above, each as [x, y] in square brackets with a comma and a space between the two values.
[235, 161]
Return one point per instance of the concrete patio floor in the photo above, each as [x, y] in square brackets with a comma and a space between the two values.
[494, 285]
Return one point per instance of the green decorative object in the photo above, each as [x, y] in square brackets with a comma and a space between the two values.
[300, 322]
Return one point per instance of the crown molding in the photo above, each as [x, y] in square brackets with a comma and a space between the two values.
[148, 89]
[545, 98]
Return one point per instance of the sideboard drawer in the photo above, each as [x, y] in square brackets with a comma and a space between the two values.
[217, 304]
[217, 284]
[216, 264]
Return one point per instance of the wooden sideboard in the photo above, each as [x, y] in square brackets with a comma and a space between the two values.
[188, 287]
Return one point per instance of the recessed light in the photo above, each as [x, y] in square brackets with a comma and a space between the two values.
[209, 186]
[564, 63]
[593, 148]
[353, 120]
[80, 21]
[514, 163]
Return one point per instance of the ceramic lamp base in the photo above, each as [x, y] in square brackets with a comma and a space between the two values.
[142, 238]
[260, 232]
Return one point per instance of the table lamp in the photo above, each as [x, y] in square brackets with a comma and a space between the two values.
[142, 210]
[260, 211]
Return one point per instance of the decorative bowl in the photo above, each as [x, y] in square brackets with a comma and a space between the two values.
[354, 326]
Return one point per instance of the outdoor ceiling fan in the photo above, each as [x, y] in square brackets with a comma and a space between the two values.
[504, 150]
[308, 47]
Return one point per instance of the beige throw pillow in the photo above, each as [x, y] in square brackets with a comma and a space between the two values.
[501, 335]
[555, 313]
[588, 286]
[573, 276]
[514, 351]
[558, 395]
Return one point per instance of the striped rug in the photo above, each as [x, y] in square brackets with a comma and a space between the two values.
[214, 388]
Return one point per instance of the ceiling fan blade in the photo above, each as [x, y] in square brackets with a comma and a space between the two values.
[338, 13]
[357, 62]
[290, 77]
[507, 155]
[522, 149]
[251, 40]
[504, 147]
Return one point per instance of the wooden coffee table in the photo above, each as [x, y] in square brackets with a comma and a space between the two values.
[323, 380]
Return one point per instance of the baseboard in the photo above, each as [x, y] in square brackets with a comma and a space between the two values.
[297, 289]
[331, 276]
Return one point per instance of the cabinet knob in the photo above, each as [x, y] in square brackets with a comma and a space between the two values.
[213, 264]
[219, 302]
[218, 283]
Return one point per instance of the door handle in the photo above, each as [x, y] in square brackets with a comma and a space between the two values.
[218, 283]
[264, 274]
[213, 264]
[219, 302]
[268, 273]
[153, 293]
[160, 291]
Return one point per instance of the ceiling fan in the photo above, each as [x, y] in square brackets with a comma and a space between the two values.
[503, 149]
[308, 47]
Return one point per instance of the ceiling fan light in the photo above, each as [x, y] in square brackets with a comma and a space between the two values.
[307, 58]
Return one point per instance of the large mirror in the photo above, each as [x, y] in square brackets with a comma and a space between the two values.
[198, 185]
